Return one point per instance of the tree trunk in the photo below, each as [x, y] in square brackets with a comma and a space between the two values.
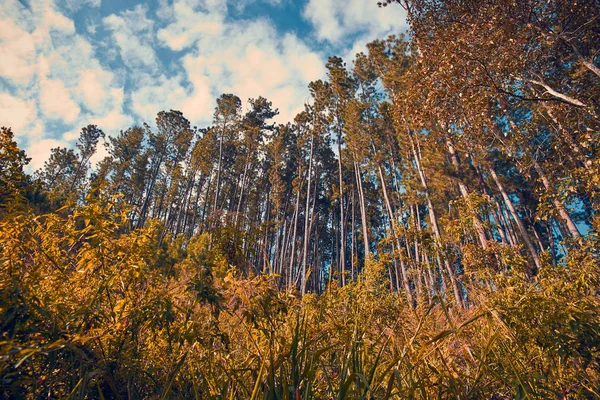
[306, 220]
[363, 213]
[561, 209]
[396, 239]
[434, 226]
[218, 188]
[465, 194]
[342, 256]
[293, 237]
[146, 202]
[518, 221]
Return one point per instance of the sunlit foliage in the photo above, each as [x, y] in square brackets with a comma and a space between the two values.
[426, 227]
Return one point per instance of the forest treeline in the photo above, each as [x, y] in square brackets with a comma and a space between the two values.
[426, 227]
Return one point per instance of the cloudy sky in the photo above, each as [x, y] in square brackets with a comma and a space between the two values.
[114, 63]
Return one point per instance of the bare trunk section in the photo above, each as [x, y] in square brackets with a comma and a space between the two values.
[388, 207]
[148, 195]
[342, 218]
[465, 194]
[353, 237]
[218, 188]
[293, 238]
[306, 220]
[561, 209]
[363, 212]
[435, 227]
[518, 221]
[242, 191]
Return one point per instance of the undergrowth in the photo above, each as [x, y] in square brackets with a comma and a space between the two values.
[90, 310]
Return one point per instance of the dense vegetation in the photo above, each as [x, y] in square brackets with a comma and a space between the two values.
[426, 228]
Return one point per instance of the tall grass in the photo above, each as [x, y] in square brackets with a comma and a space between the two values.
[90, 312]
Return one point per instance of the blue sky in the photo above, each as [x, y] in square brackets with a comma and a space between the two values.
[67, 63]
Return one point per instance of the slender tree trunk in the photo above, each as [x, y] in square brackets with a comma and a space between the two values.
[335, 246]
[561, 209]
[435, 228]
[287, 250]
[266, 257]
[342, 217]
[316, 260]
[77, 172]
[273, 256]
[186, 200]
[283, 247]
[294, 237]
[363, 213]
[206, 202]
[306, 220]
[242, 191]
[537, 237]
[499, 226]
[550, 229]
[148, 196]
[577, 150]
[396, 240]
[510, 229]
[353, 236]
[417, 222]
[192, 224]
[218, 188]
[465, 194]
[518, 221]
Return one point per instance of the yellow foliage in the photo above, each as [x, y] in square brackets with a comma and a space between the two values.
[92, 310]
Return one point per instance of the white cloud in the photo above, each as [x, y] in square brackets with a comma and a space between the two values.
[164, 11]
[55, 75]
[115, 120]
[325, 16]
[306, 62]
[133, 33]
[55, 21]
[92, 86]
[24, 32]
[251, 59]
[190, 25]
[247, 58]
[70, 136]
[199, 105]
[242, 4]
[282, 99]
[16, 113]
[39, 151]
[337, 21]
[99, 155]
[75, 5]
[17, 52]
[66, 60]
[56, 102]
[156, 95]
